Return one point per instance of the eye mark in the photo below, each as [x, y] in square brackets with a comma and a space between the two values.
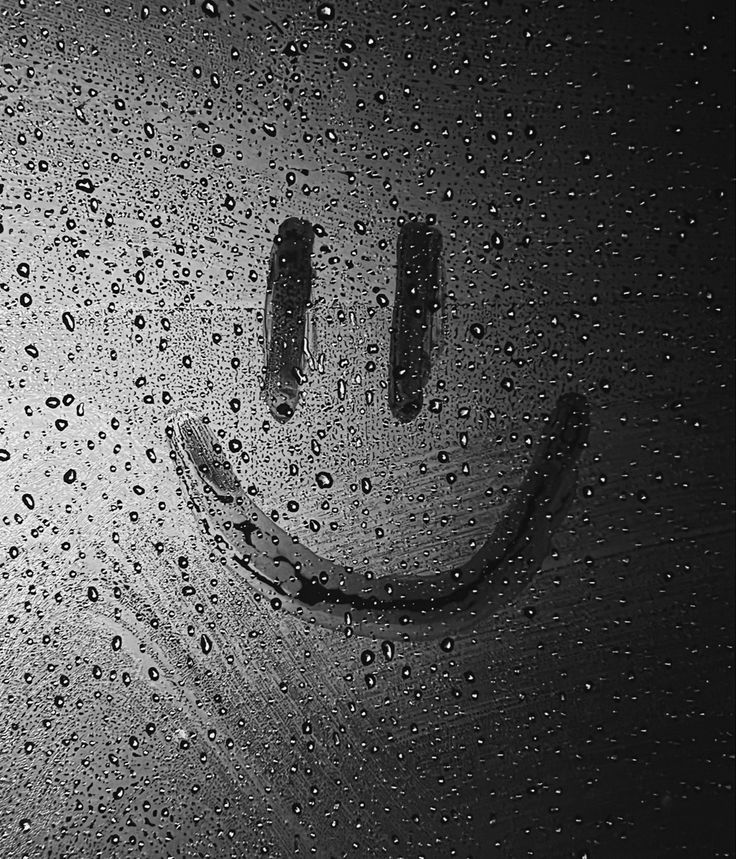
[288, 293]
[418, 294]
[297, 579]
[413, 330]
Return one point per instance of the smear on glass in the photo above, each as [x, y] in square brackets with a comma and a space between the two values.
[296, 579]
[417, 300]
[288, 295]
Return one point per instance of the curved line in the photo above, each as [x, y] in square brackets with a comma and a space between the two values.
[302, 579]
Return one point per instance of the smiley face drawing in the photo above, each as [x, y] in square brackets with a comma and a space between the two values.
[298, 580]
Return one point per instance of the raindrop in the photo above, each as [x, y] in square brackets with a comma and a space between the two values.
[326, 12]
[324, 479]
[85, 184]
[367, 657]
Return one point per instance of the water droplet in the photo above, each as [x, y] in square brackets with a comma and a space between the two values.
[367, 657]
[326, 12]
[324, 479]
[85, 184]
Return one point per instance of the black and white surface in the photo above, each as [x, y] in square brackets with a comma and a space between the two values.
[576, 159]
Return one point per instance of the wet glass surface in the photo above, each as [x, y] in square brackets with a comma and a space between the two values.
[446, 295]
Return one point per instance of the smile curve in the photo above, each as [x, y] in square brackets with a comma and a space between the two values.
[296, 579]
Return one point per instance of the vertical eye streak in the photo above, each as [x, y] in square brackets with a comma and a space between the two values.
[288, 294]
[418, 293]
